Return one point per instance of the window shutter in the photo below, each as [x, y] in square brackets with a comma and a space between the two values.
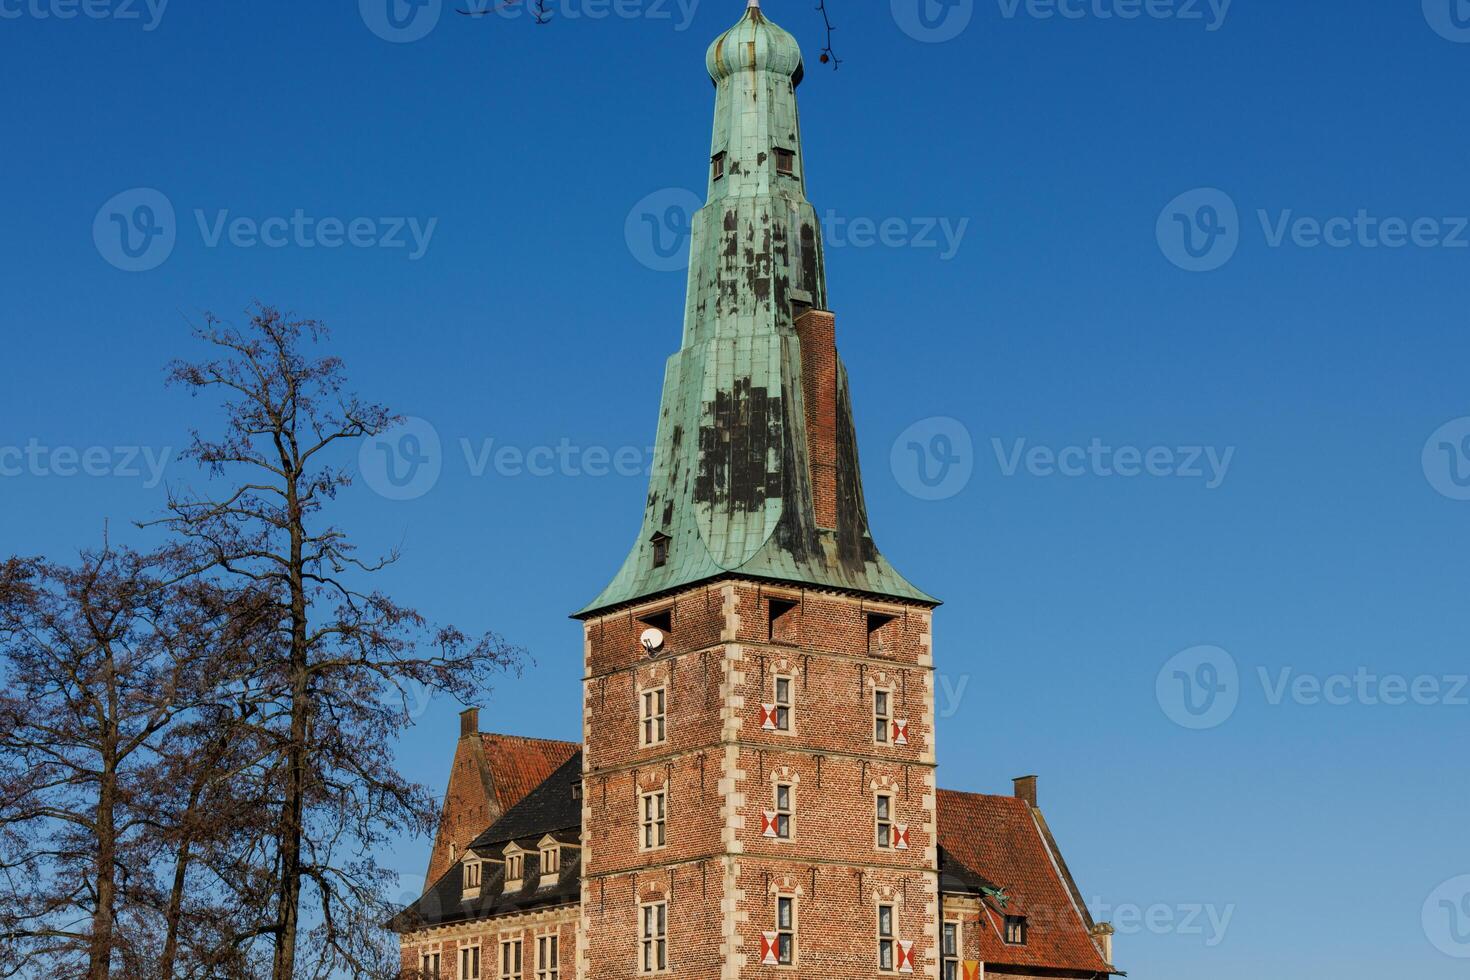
[768, 823]
[901, 836]
[905, 956]
[900, 731]
[768, 949]
[768, 717]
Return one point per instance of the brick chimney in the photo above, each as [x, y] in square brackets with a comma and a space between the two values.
[816, 330]
[1026, 789]
[469, 722]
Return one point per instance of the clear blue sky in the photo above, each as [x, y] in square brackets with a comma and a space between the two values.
[533, 316]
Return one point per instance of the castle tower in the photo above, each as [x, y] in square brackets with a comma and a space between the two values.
[758, 773]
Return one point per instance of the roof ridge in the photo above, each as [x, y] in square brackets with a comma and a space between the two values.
[530, 738]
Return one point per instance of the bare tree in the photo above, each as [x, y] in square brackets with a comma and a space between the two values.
[347, 664]
[99, 660]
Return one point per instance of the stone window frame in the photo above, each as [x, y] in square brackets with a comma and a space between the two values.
[549, 941]
[549, 859]
[430, 970]
[512, 967]
[793, 930]
[470, 954]
[883, 825]
[883, 720]
[653, 941]
[789, 705]
[658, 821]
[646, 718]
[887, 942]
[515, 865]
[1015, 925]
[949, 957]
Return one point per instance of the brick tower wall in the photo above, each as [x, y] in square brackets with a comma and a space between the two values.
[718, 873]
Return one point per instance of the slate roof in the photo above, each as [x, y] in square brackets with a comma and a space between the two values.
[549, 809]
[998, 839]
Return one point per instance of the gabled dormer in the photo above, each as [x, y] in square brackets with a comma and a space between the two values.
[515, 866]
[472, 875]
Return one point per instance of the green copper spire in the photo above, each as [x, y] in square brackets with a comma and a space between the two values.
[740, 486]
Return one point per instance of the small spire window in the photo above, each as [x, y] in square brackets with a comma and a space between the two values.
[785, 162]
[660, 550]
[717, 165]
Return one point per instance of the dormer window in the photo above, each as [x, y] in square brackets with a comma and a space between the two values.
[473, 871]
[785, 162]
[717, 165]
[515, 866]
[550, 860]
[1016, 930]
[660, 550]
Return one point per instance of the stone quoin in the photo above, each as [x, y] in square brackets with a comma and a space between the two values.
[755, 792]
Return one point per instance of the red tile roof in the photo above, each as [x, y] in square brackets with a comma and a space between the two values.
[518, 765]
[998, 838]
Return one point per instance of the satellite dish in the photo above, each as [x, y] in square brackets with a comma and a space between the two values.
[652, 640]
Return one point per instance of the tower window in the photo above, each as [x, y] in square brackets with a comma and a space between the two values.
[654, 821]
[782, 698]
[785, 930]
[785, 161]
[780, 623]
[655, 935]
[653, 710]
[784, 810]
[882, 715]
[883, 821]
[951, 950]
[660, 550]
[885, 937]
[1016, 930]
[879, 639]
[717, 165]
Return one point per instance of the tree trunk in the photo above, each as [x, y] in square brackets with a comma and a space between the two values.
[100, 956]
[289, 896]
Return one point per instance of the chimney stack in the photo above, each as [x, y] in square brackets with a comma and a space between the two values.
[1026, 789]
[1103, 933]
[469, 722]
